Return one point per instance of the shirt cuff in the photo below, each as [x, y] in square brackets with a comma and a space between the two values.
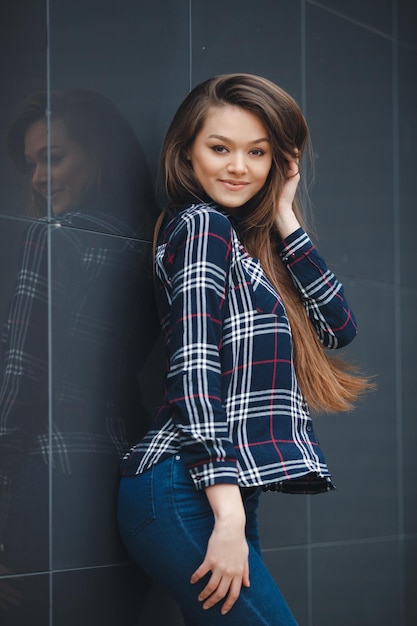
[214, 473]
[296, 245]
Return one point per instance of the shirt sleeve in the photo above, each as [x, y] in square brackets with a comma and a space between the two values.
[321, 292]
[198, 258]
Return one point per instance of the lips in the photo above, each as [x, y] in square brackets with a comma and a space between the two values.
[53, 193]
[234, 185]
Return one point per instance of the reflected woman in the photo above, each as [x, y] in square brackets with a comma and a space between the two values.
[88, 257]
[96, 161]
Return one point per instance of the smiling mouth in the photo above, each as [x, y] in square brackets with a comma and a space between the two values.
[234, 185]
[54, 193]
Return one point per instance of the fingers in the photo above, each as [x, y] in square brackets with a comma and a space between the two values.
[219, 586]
[200, 572]
[245, 577]
[293, 168]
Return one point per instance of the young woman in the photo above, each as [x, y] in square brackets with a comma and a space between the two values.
[247, 307]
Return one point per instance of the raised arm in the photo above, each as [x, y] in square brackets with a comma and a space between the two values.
[321, 292]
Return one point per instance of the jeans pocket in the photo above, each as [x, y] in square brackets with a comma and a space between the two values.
[135, 505]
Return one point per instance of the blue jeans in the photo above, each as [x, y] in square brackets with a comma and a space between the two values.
[166, 523]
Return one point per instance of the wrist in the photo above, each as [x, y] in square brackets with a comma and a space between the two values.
[226, 504]
[286, 223]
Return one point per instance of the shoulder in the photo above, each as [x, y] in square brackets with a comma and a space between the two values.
[198, 221]
[206, 216]
[199, 232]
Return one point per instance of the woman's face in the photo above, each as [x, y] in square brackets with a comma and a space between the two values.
[71, 168]
[231, 156]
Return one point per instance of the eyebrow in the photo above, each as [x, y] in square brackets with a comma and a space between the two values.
[44, 150]
[226, 139]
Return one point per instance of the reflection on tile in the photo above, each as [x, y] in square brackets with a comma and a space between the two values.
[104, 595]
[248, 40]
[104, 325]
[352, 142]
[24, 480]
[364, 582]
[96, 177]
[24, 600]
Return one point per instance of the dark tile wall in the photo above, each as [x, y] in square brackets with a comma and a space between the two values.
[81, 357]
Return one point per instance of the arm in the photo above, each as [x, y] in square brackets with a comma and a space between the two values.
[227, 551]
[196, 261]
[322, 294]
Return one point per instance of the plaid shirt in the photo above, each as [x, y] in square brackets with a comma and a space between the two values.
[232, 406]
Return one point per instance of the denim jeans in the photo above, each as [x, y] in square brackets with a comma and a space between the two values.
[166, 523]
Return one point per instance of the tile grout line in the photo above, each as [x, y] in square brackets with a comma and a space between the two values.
[397, 311]
[49, 304]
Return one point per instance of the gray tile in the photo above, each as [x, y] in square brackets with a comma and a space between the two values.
[356, 584]
[407, 217]
[372, 13]
[247, 39]
[407, 22]
[23, 72]
[106, 596]
[138, 56]
[408, 405]
[25, 600]
[410, 573]
[282, 520]
[348, 72]
[289, 569]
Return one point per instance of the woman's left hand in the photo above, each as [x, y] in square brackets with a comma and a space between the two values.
[226, 560]
[227, 551]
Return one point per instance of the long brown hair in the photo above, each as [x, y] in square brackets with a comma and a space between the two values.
[327, 383]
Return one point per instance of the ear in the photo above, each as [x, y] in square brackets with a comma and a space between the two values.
[187, 155]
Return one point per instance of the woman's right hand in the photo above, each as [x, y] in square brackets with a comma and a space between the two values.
[227, 551]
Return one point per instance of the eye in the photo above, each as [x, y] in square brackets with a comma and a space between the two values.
[257, 152]
[27, 167]
[56, 158]
[219, 149]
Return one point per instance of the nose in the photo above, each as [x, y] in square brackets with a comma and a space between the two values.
[40, 175]
[237, 163]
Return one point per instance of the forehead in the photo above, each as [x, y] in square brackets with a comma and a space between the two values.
[37, 134]
[233, 121]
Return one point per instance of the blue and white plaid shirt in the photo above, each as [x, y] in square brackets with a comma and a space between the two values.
[232, 406]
